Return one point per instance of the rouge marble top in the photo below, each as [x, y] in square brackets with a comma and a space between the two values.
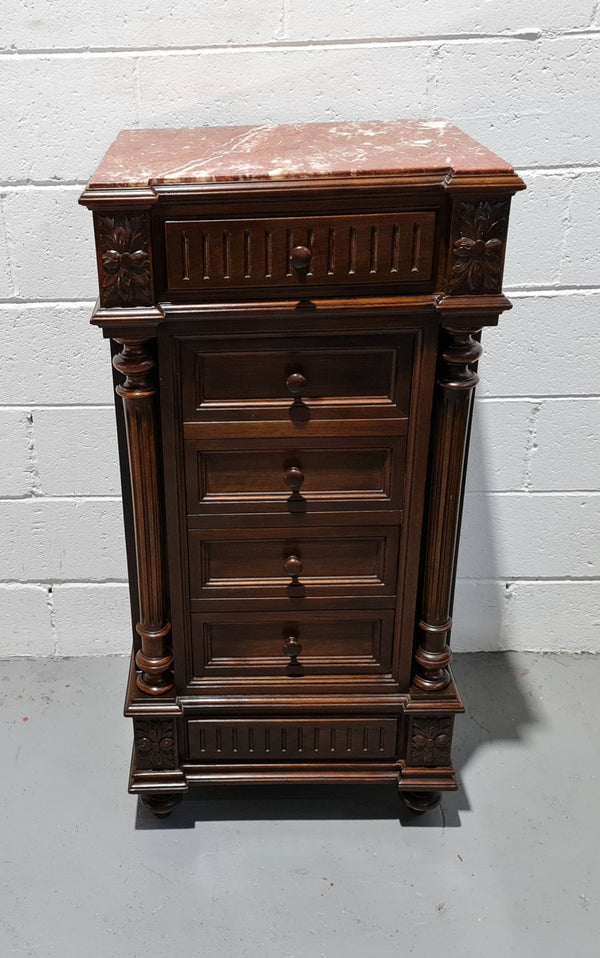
[144, 158]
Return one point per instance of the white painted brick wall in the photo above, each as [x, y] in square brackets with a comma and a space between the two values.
[500, 445]
[581, 259]
[283, 85]
[51, 25]
[535, 97]
[493, 615]
[349, 19]
[93, 617]
[73, 99]
[15, 453]
[530, 536]
[537, 228]
[523, 78]
[61, 539]
[554, 467]
[51, 244]
[6, 286]
[52, 356]
[26, 620]
[547, 345]
[67, 440]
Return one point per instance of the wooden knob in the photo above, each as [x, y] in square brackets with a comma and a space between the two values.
[295, 383]
[293, 478]
[300, 257]
[292, 648]
[293, 566]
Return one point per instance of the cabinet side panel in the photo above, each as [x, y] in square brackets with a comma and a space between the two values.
[414, 499]
[127, 502]
[174, 490]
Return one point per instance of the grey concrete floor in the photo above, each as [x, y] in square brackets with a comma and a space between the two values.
[509, 866]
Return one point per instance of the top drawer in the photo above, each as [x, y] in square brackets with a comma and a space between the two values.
[317, 251]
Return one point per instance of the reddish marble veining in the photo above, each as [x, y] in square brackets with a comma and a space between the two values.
[140, 158]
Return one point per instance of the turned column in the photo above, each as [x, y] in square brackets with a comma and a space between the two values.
[138, 392]
[452, 411]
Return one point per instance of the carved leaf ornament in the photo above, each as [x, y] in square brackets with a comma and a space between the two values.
[125, 259]
[155, 744]
[478, 251]
[430, 741]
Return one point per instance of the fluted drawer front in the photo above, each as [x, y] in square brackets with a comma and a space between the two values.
[288, 644]
[299, 386]
[266, 563]
[387, 248]
[313, 740]
[305, 477]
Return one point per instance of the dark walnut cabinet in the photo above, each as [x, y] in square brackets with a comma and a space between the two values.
[295, 316]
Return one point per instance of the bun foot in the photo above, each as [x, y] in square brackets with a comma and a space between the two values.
[420, 802]
[161, 805]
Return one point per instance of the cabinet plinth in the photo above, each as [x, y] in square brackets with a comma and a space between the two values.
[296, 333]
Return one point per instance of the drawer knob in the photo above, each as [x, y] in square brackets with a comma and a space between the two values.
[300, 257]
[293, 478]
[292, 648]
[295, 383]
[293, 566]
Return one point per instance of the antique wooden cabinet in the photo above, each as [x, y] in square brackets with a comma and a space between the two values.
[295, 315]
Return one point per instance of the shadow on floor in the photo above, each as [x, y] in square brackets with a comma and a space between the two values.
[498, 709]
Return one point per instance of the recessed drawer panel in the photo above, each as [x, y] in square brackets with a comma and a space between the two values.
[308, 476]
[356, 560]
[303, 643]
[317, 251]
[297, 385]
[292, 740]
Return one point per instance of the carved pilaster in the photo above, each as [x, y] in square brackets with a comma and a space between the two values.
[454, 395]
[138, 392]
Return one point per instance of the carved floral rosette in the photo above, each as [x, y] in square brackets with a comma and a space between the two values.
[124, 260]
[477, 246]
[429, 740]
[155, 744]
